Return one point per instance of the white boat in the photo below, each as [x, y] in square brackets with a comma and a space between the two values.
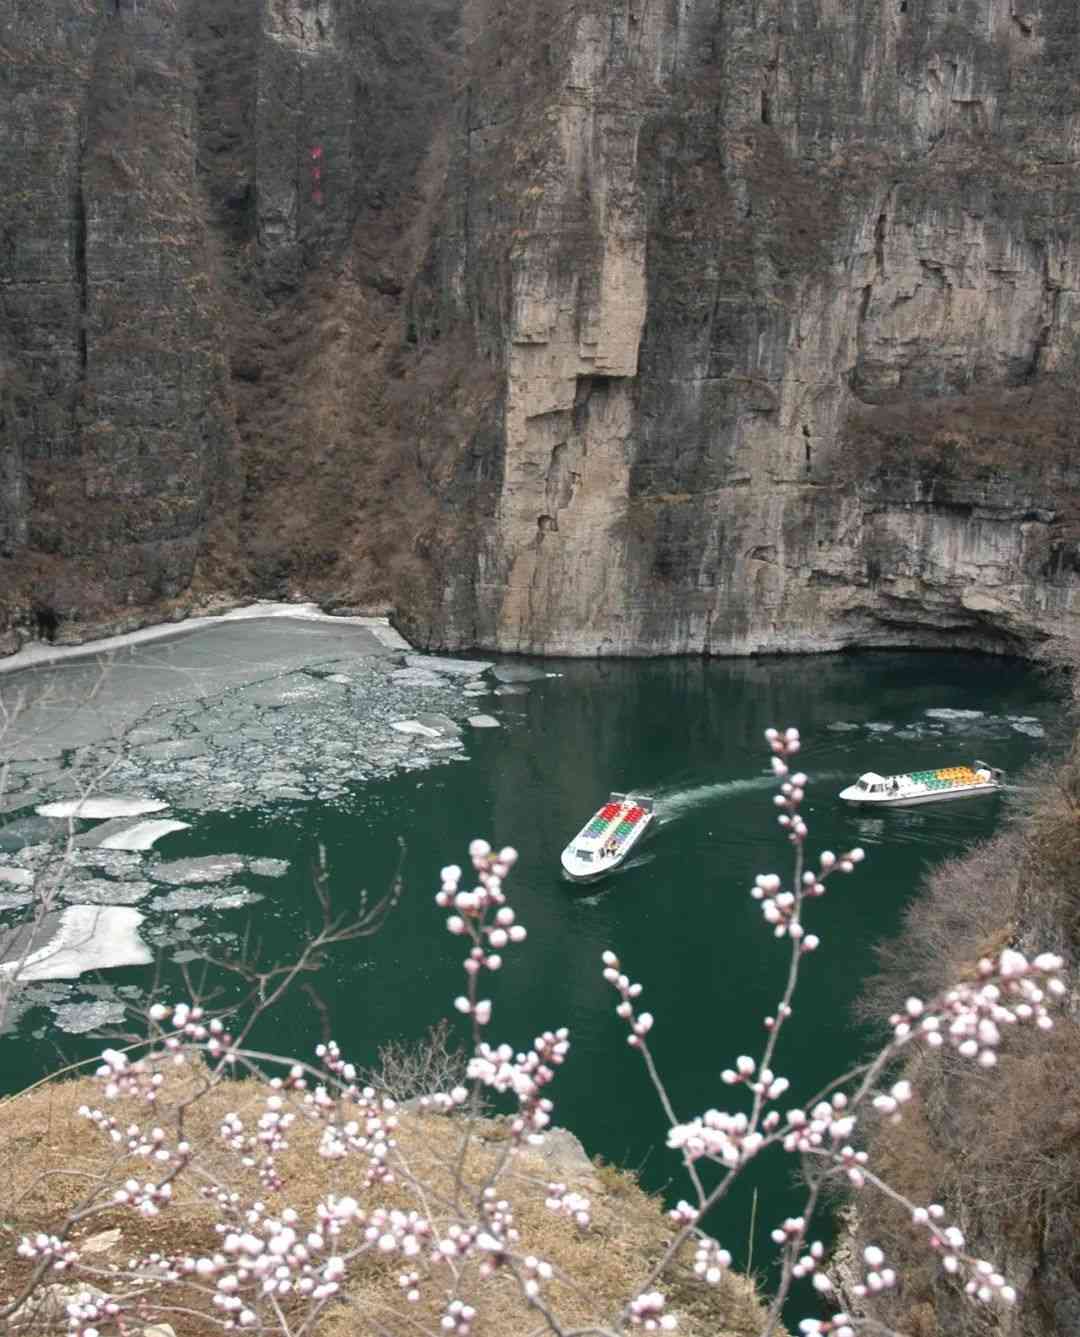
[609, 835]
[904, 791]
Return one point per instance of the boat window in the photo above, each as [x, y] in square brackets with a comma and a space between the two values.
[585, 855]
[861, 785]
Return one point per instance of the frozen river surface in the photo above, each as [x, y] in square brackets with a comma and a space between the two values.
[279, 705]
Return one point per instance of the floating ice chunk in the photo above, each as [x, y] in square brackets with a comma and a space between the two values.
[517, 673]
[100, 807]
[84, 937]
[947, 713]
[442, 724]
[19, 877]
[841, 726]
[208, 868]
[880, 728]
[411, 677]
[511, 689]
[1029, 727]
[443, 744]
[342, 678]
[269, 867]
[103, 891]
[116, 863]
[484, 722]
[174, 749]
[14, 900]
[459, 668]
[143, 836]
[414, 727]
[205, 898]
[78, 1018]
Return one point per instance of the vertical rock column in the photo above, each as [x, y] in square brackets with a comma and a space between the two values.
[303, 149]
[555, 562]
[47, 50]
[152, 411]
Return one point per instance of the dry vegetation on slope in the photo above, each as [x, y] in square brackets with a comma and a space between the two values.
[50, 1157]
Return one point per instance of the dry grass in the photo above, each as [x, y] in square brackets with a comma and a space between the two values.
[50, 1159]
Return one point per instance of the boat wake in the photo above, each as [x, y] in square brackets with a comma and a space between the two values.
[677, 803]
[670, 806]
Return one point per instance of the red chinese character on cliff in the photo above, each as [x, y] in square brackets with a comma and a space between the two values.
[316, 174]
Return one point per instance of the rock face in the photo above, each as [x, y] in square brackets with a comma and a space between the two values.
[787, 327]
[604, 327]
[115, 430]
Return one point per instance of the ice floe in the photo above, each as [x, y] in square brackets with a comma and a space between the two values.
[484, 722]
[517, 673]
[414, 727]
[83, 937]
[143, 836]
[193, 898]
[104, 891]
[458, 668]
[442, 724]
[102, 806]
[948, 713]
[206, 869]
[511, 689]
[268, 867]
[20, 877]
[79, 1018]
[412, 677]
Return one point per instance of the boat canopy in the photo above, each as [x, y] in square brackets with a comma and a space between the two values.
[871, 778]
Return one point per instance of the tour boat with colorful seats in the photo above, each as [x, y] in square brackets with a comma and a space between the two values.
[904, 791]
[608, 836]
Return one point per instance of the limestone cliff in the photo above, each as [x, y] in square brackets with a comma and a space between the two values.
[578, 326]
[785, 308]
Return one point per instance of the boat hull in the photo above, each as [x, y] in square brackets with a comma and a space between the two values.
[581, 872]
[914, 788]
[914, 800]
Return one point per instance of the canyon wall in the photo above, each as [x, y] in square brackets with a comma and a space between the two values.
[786, 307]
[579, 326]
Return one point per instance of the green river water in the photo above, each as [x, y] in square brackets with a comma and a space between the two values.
[680, 917]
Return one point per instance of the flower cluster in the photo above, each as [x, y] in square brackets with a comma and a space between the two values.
[526, 1075]
[878, 1277]
[123, 1078]
[647, 1311]
[59, 1254]
[970, 1017]
[640, 1023]
[793, 789]
[560, 1199]
[489, 938]
[728, 1138]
